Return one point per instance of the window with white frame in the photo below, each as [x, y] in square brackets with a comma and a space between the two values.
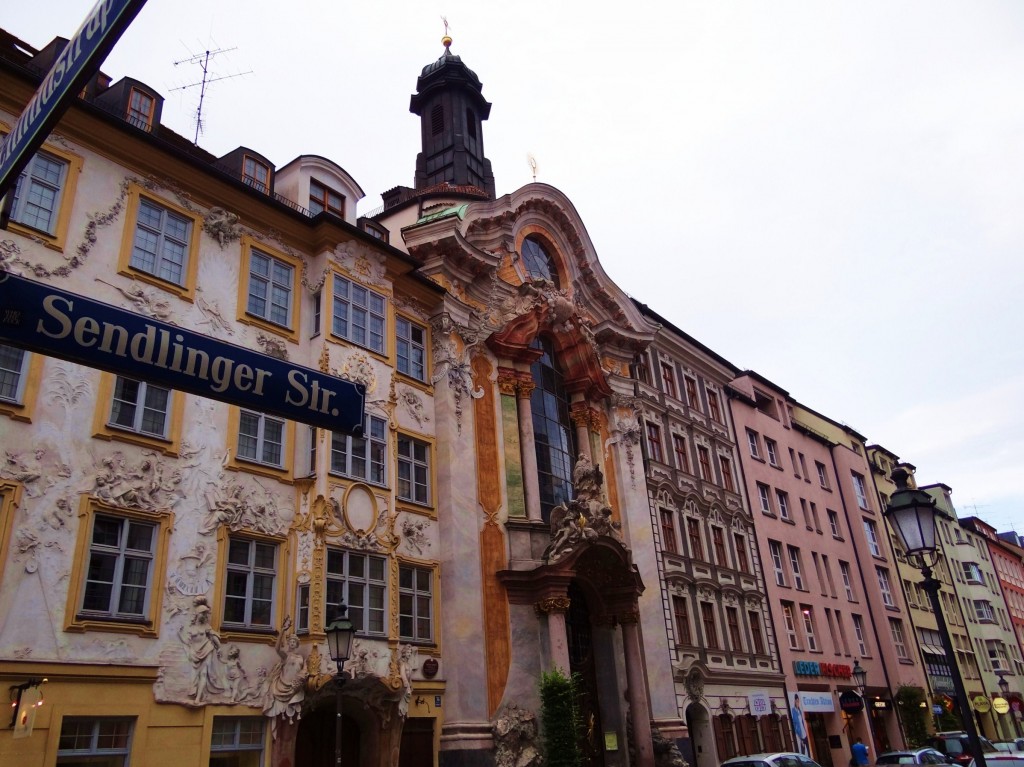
[997, 654]
[789, 622]
[161, 243]
[972, 572]
[764, 497]
[302, 608]
[822, 474]
[250, 584]
[261, 438]
[413, 470]
[237, 741]
[118, 580]
[754, 443]
[898, 641]
[861, 490]
[361, 457]
[833, 523]
[358, 314]
[871, 533]
[808, 618]
[771, 447]
[775, 549]
[411, 348]
[794, 564]
[105, 741]
[360, 581]
[983, 611]
[140, 407]
[783, 498]
[885, 586]
[844, 569]
[13, 370]
[38, 191]
[415, 603]
[271, 288]
[858, 632]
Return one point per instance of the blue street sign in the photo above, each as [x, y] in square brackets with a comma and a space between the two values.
[78, 61]
[43, 319]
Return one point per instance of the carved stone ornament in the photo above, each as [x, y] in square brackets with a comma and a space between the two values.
[285, 688]
[694, 685]
[414, 406]
[143, 300]
[242, 507]
[148, 485]
[552, 605]
[222, 226]
[585, 517]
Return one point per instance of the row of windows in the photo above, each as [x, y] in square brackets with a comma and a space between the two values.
[800, 626]
[163, 246]
[145, 409]
[668, 386]
[695, 548]
[777, 503]
[656, 452]
[120, 580]
[234, 740]
[789, 571]
[709, 627]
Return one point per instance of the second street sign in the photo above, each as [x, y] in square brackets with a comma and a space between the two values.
[44, 319]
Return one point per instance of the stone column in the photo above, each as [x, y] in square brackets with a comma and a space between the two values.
[527, 449]
[637, 682]
[558, 640]
[579, 411]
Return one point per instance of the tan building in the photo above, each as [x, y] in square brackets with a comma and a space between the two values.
[729, 685]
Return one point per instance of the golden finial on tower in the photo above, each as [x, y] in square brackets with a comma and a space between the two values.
[446, 41]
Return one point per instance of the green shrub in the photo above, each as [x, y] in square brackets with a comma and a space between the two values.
[910, 700]
[560, 718]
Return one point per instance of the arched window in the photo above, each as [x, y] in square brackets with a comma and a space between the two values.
[537, 261]
[554, 437]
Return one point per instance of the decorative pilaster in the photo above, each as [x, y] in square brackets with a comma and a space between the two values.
[580, 413]
[528, 451]
[641, 713]
[555, 609]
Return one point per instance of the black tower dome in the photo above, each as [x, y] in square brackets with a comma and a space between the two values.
[450, 104]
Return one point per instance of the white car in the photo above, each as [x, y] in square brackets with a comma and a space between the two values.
[778, 759]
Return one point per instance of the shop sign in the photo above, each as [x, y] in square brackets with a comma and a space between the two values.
[813, 668]
[982, 704]
[817, 702]
[881, 705]
[1000, 705]
[760, 704]
[937, 709]
[851, 702]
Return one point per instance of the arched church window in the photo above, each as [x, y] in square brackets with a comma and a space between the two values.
[539, 265]
[554, 437]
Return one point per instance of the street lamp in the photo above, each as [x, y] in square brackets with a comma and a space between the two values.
[860, 681]
[339, 643]
[911, 514]
[1004, 688]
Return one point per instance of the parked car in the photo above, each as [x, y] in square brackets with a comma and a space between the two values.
[1001, 759]
[913, 756]
[954, 745]
[777, 759]
[1014, 746]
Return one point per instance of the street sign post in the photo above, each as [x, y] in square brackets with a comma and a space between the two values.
[71, 70]
[51, 321]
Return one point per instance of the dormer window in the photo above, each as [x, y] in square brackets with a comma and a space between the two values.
[256, 174]
[322, 197]
[537, 261]
[140, 109]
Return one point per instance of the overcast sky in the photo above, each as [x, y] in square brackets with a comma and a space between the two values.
[830, 193]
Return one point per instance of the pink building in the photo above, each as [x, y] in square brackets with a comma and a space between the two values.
[826, 561]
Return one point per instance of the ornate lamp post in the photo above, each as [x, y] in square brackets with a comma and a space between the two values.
[911, 514]
[339, 643]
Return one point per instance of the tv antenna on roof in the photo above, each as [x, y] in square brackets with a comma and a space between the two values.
[203, 60]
